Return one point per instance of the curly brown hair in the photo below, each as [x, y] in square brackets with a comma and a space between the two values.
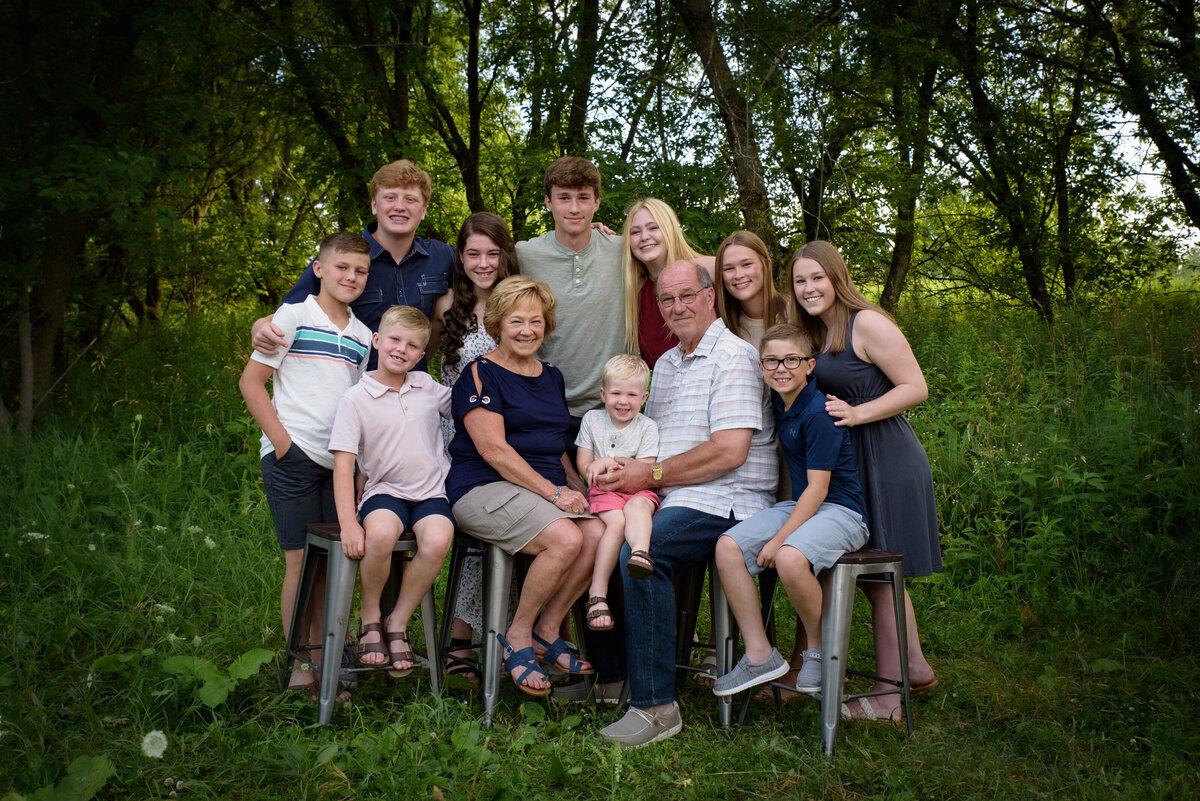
[459, 320]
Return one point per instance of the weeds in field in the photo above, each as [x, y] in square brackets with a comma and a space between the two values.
[137, 556]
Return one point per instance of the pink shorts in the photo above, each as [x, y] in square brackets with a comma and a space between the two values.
[603, 501]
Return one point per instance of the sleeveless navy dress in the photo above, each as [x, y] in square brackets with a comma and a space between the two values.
[892, 466]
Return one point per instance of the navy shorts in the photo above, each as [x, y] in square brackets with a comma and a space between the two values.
[299, 492]
[409, 512]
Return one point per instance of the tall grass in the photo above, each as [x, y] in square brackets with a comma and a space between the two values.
[1066, 462]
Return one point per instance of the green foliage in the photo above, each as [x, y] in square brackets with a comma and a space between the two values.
[1066, 466]
[85, 777]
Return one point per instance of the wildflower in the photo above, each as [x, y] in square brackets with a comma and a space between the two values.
[35, 536]
[210, 543]
[91, 546]
[154, 743]
[167, 782]
[137, 418]
[196, 641]
[179, 784]
[137, 523]
[173, 637]
[195, 530]
[164, 608]
[160, 528]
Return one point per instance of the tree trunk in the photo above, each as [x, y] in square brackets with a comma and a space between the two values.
[64, 240]
[575, 140]
[739, 125]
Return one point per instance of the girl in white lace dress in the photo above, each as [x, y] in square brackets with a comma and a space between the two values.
[485, 256]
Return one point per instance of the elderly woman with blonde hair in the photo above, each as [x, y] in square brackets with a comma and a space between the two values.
[508, 485]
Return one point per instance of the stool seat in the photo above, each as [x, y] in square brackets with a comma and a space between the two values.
[323, 540]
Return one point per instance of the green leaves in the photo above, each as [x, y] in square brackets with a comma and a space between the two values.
[85, 776]
[216, 685]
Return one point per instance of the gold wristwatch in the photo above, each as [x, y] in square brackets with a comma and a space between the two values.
[656, 472]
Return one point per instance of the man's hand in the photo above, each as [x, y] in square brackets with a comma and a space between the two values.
[265, 337]
[628, 475]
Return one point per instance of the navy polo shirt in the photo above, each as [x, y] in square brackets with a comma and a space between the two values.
[421, 277]
[811, 441]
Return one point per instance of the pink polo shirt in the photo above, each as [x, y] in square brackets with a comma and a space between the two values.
[395, 435]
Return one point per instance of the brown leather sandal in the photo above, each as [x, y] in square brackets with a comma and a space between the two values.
[643, 567]
[402, 654]
[594, 611]
[362, 648]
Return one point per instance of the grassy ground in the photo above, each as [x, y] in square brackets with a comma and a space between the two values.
[137, 564]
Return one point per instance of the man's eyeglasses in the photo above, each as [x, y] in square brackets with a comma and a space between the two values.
[686, 297]
[770, 363]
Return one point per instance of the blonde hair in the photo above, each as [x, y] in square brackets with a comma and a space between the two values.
[677, 249]
[847, 299]
[729, 307]
[511, 291]
[406, 317]
[786, 332]
[401, 174]
[625, 367]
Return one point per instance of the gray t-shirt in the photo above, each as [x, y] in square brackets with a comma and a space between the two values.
[637, 440]
[591, 309]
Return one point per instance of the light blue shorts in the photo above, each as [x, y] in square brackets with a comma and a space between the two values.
[823, 538]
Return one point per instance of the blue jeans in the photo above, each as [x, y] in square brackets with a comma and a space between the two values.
[681, 539]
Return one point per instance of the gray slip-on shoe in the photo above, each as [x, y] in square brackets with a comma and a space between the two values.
[641, 727]
[808, 680]
[747, 674]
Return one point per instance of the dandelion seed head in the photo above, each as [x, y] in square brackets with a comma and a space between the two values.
[154, 744]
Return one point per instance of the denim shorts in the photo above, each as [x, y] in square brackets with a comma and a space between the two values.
[823, 538]
[409, 512]
[299, 492]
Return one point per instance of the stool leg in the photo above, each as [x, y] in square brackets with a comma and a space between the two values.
[725, 638]
[433, 654]
[299, 628]
[838, 586]
[902, 642]
[458, 554]
[340, 574]
[691, 590]
[498, 571]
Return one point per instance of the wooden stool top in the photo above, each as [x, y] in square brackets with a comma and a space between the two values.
[869, 556]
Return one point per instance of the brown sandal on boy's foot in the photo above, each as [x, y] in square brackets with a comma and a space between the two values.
[402, 654]
[363, 648]
[594, 612]
[642, 568]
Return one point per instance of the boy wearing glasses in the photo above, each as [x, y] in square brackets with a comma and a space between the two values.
[801, 537]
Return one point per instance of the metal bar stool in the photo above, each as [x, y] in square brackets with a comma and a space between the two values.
[691, 593]
[498, 568]
[324, 542]
[838, 585]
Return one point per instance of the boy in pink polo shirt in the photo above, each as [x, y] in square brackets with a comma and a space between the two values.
[388, 424]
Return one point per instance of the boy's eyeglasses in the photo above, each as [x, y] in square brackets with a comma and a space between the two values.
[790, 362]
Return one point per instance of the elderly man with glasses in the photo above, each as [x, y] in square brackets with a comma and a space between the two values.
[717, 466]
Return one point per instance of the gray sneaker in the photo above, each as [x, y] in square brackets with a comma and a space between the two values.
[641, 727]
[808, 680]
[747, 674]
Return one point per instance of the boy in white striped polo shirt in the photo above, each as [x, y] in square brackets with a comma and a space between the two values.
[326, 354]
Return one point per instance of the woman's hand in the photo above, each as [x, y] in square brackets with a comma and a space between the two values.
[571, 502]
[843, 413]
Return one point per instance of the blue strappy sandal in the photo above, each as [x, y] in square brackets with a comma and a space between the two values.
[556, 649]
[526, 661]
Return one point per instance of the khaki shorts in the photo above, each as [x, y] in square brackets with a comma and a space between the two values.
[501, 513]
